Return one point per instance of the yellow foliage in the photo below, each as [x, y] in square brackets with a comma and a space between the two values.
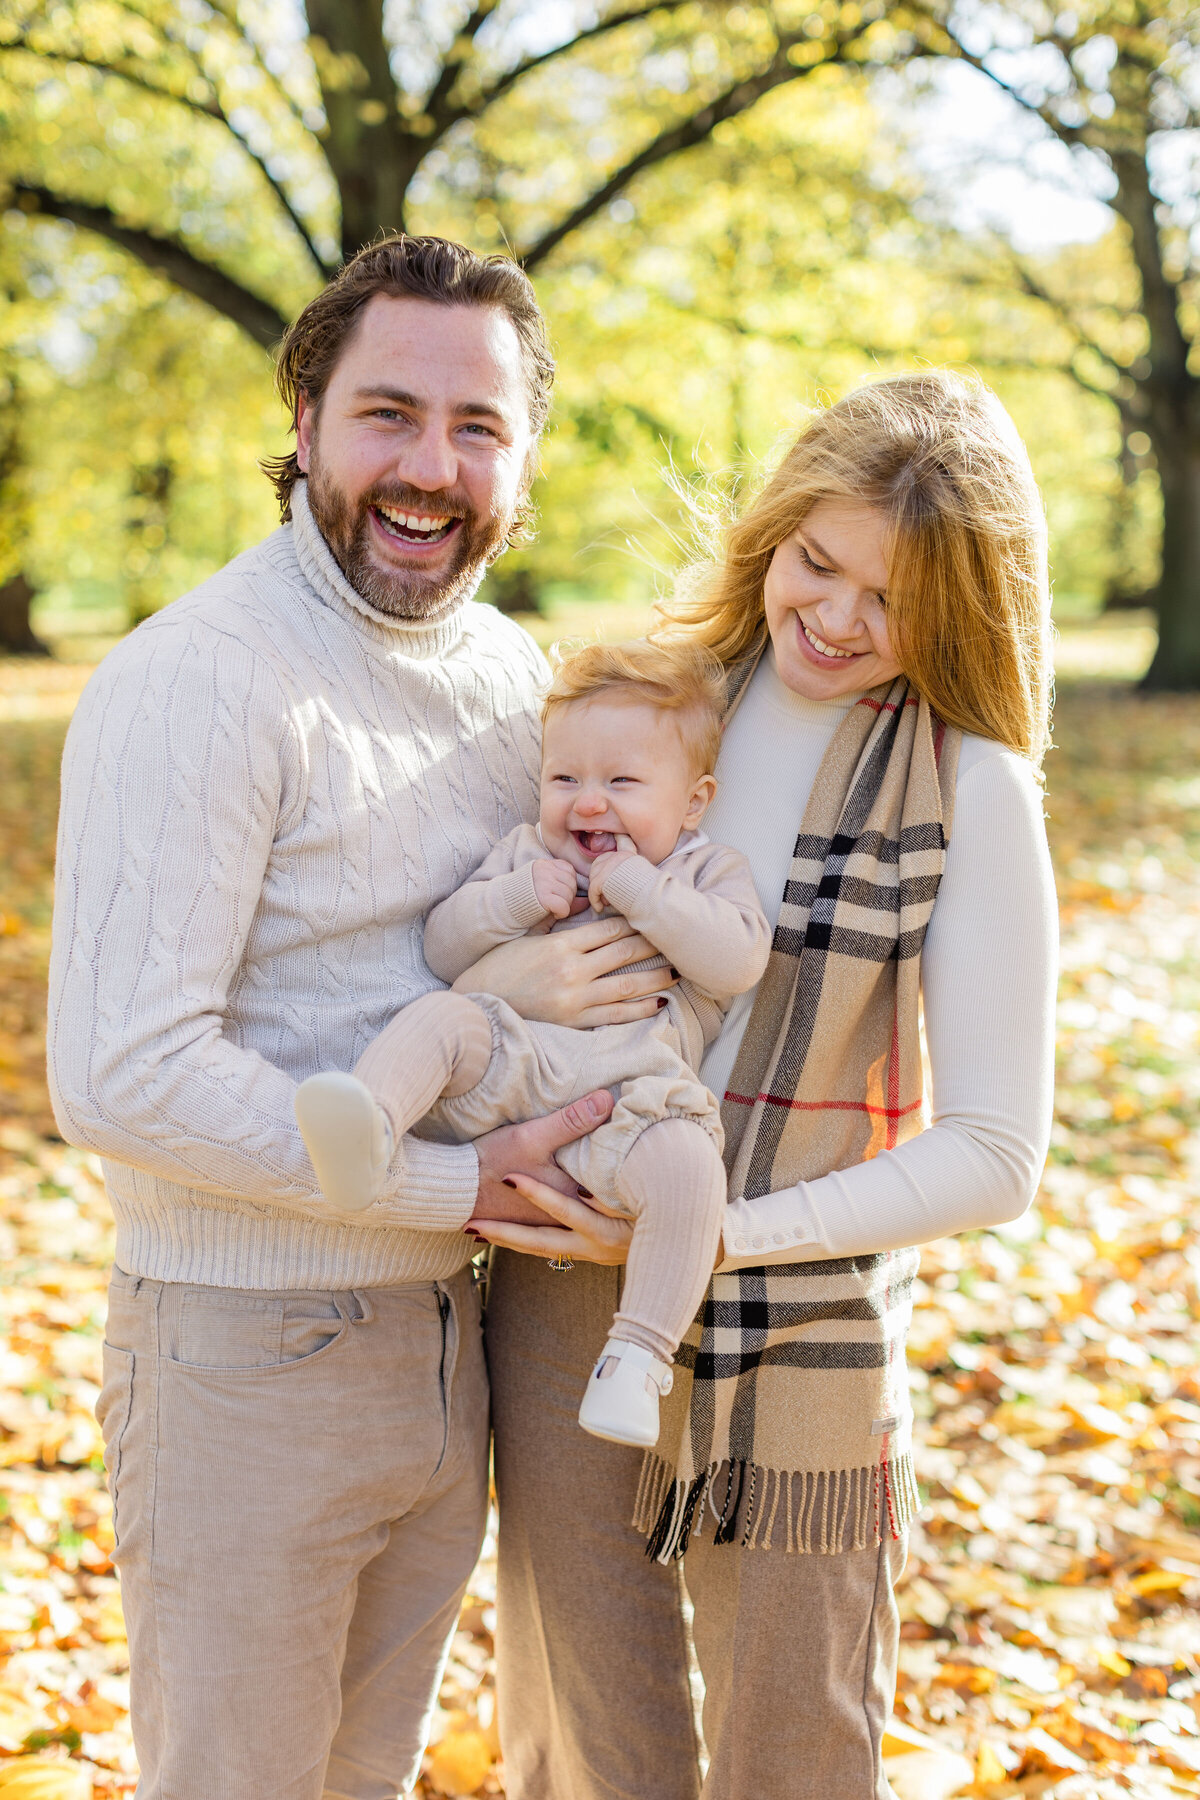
[40, 1778]
[460, 1762]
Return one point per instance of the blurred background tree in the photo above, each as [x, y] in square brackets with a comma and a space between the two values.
[1117, 84]
[726, 213]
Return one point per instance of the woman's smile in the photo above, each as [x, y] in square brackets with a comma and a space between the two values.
[825, 652]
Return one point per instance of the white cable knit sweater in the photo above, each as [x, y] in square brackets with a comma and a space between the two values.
[265, 789]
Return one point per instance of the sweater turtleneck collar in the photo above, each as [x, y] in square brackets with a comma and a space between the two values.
[418, 638]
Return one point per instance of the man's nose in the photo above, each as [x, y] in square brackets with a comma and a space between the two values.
[429, 460]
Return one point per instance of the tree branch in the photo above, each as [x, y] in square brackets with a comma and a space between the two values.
[1069, 134]
[258, 318]
[211, 109]
[683, 136]
[503, 83]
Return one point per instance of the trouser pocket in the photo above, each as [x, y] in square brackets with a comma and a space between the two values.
[113, 1410]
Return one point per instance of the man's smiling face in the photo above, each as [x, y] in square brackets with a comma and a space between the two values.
[418, 455]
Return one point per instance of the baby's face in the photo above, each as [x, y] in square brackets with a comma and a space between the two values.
[615, 765]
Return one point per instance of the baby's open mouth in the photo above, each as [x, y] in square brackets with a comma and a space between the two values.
[595, 843]
[414, 528]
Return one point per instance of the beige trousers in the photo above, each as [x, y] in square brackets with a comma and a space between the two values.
[798, 1653]
[299, 1485]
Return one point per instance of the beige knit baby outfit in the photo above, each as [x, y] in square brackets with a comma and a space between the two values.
[470, 1071]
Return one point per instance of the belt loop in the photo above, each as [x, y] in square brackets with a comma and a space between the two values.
[366, 1310]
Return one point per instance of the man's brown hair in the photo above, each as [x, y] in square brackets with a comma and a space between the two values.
[418, 268]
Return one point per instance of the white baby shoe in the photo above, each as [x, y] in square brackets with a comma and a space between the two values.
[347, 1135]
[621, 1399]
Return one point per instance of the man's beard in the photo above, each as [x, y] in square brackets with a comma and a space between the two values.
[345, 524]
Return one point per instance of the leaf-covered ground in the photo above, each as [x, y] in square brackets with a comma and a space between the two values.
[1052, 1600]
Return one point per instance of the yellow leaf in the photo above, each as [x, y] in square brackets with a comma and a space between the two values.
[40, 1778]
[459, 1764]
[1113, 1663]
[929, 1775]
[989, 1770]
[1161, 1581]
[110, 1620]
[1100, 1421]
[899, 1739]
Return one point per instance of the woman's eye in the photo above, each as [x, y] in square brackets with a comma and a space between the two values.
[816, 567]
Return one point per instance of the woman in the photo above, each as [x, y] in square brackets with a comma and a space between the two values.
[882, 607]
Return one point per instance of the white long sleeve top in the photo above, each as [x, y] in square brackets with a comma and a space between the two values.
[987, 983]
[265, 789]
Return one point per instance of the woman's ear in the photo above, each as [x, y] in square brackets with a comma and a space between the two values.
[700, 801]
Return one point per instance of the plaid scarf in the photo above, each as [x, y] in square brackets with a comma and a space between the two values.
[790, 1403]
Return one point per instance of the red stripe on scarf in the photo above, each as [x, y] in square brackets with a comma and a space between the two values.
[880, 1112]
[881, 706]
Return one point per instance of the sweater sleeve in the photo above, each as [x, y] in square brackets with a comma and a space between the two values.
[988, 988]
[714, 932]
[495, 904]
[182, 763]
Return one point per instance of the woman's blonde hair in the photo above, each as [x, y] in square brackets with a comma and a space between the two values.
[968, 600]
[680, 676]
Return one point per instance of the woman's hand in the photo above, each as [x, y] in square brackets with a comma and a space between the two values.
[579, 977]
[586, 1231]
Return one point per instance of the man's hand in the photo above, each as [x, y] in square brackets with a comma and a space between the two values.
[603, 867]
[529, 1150]
[554, 884]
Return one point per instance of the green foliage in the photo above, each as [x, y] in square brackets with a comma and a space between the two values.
[777, 255]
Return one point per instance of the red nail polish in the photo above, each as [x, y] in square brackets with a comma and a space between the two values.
[662, 1001]
[508, 1183]
[585, 1193]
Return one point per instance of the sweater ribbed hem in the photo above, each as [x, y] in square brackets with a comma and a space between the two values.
[525, 907]
[630, 882]
[265, 1251]
[166, 1232]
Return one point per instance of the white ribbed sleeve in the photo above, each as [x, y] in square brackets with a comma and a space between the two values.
[263, 791]
[988, 986]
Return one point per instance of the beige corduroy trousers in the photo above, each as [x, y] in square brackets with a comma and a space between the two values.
[299, 1486]
[798, 1652]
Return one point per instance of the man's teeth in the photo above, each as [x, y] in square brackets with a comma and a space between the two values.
[413, 521]
[821, 645]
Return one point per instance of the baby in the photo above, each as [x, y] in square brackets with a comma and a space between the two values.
[630, 737]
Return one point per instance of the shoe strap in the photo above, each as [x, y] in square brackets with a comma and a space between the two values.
[660, 1373]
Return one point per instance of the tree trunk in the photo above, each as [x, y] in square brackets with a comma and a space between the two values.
[16, 633]
[1176, 665]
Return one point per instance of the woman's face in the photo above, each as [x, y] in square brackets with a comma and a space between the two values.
[825, 602]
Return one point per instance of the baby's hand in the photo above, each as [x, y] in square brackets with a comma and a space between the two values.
[554, 885]
[606, 865]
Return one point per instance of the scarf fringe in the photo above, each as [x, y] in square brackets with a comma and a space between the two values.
[825, 1511]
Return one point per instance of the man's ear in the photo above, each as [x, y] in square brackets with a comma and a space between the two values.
[306, 425]
[700, 801]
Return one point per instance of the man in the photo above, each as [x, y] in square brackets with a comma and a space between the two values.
[265, 788]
